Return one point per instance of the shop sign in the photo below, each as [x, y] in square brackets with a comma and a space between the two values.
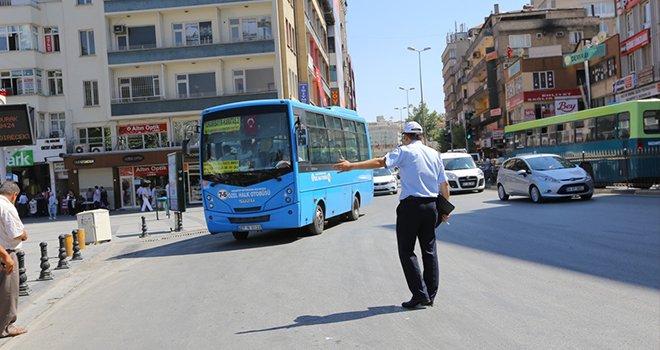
[496, 112]
[303, 93]
[334, 95]
[563, 106]
[84, 161]
[20, 158]
[142, 129]
[646, 76]
[15, 126]
[150, 170]
[635, 42]
[515, 100]
[626, 83]
[133, 158]
[491, 56]
[550, 95]
[126, 171]
[530, 113]
[638, 94]
[629, 3]
[584, 55]
[514, 69]
[498, 134]
[58, 167]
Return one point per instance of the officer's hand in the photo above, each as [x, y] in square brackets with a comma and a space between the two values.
[445, 217]
[343, 165]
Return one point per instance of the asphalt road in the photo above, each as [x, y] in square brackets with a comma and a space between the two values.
[514, 275]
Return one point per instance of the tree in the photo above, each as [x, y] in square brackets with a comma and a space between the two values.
[459, 138]
[430, 122]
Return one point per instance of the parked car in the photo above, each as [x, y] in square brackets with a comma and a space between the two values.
[462, 173]
[542, 176]
[385, 181]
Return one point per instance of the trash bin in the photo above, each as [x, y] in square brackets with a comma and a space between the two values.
[96, 224]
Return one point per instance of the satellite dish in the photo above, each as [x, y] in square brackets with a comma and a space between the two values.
[599, 38]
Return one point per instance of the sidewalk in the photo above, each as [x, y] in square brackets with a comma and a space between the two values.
[126, 227]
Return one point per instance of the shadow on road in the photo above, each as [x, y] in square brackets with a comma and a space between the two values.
[224, 242]
[311, 320]
[582, 236]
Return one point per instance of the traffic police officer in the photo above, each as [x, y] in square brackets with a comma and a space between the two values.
[422, 179]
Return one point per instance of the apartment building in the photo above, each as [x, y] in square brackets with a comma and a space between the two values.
[58, 70]
[384, 134]
[123, 82]
[503, 39]
[639, 24]
[452, 73]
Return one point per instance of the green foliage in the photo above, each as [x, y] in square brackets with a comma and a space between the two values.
[429, 122]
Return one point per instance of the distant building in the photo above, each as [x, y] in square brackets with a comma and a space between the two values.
[385, 135]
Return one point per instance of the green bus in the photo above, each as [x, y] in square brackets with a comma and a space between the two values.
[616, 144]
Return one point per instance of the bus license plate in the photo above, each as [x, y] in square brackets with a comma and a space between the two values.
[471, 183]
[249, 228]
[574, 189]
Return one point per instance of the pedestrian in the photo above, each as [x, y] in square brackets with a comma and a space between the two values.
[12, 235]
[23, 204]
[96, 197]
[71, 202]
[422, 180]
[104, 198]
[52, 206]
[64, 206]
[144, 193]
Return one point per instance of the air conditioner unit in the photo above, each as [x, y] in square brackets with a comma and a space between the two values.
[97, 149]
[559, 34]
[476, 54]
[119, 29]
[81, 148]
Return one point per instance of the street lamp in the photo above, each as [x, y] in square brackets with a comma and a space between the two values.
[400, 114]
[419, 57]
[407, 99]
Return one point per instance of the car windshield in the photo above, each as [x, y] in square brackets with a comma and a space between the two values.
[459, 163]
[382, 172]
[549, 163]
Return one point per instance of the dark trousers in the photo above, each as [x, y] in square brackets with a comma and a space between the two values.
[415, 220]
[8, 298]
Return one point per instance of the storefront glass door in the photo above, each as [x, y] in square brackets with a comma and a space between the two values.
[127, 192]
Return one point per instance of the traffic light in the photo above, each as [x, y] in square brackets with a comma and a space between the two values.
[469, 133]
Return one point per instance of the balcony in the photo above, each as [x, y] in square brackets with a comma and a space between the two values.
[32, 3]
[155, 106]
[142, 5]
[190, 52]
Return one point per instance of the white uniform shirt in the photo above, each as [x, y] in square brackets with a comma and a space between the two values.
[10, 225]
[420, 168]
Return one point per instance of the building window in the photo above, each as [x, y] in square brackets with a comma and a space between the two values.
[630, 25]
[195, 85]
[139, 88]
[143, 141]
[185, 130]
[646, 15]
[18, 38]
[520, 41]
[247, 29]
[254, 80]
[84, 2]
[21, 81]
[57, 124]
[137, 38]
[91, 91]
[52, 39]
[196, 33]
[543, 80]
[95, 137]
[575, 37]
[55, 83]
[632, 66]
[87, 47]
[333, 73]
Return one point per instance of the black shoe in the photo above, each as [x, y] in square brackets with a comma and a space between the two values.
[416, 303]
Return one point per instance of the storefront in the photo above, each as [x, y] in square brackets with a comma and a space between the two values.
[37, 168]
[121, 174]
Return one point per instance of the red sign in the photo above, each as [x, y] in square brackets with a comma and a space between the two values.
[549, 95]
[491, 56]
[142, 129]
[631, 3]
[250, 125]
[49, 43]
[635, 42]
[150, 170]
[126, 171]
[514, 101]
[495, 112]
[3, 92]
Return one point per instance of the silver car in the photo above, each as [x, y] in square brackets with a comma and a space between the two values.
[542, 176]
[385, 181]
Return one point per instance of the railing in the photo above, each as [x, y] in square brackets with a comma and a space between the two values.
[172, 46]
[18, 3]
[637, 167]
[137, 99]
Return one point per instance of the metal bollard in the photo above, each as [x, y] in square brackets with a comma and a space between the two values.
[76, 246]
[23, 288]
[178, 221]
[144, 228]
[62, 263]
[45, 274]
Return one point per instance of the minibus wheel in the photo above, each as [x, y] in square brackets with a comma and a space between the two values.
[316, 227]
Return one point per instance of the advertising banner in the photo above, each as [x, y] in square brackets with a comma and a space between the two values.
[15, 126]
[563, 106]
[175, 190]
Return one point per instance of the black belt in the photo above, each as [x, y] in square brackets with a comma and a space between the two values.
[11, 250]
[419, 199]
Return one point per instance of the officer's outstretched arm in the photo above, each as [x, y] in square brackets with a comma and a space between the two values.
[345, 165]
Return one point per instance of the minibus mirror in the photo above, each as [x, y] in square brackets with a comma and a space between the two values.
[301, 136]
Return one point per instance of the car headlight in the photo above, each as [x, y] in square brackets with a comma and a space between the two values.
[549, 179]
[393, 181]
[480, 172]
[451, 176]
